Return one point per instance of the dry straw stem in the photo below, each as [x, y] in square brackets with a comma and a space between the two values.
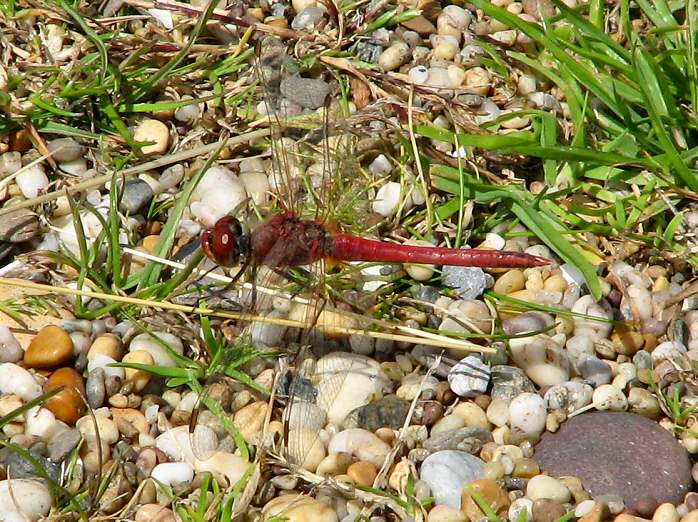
[154, 164]
[429, 340]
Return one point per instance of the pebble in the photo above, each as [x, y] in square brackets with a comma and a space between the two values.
[32, 181]
[547, 510]
[231, 466]
[631, 442]
[133, 417]
[139, 378]
[10, 162]
[334, 464]
[509, 381]
[250, 420]
[543, 486]
[308, 415]
[148, 343]
[467, 439]
[527, 414]
[67, 405]
[361, 443]
[387, 199]
[34, 465]
[543, 360]
[595, 370]
[394, 56]
[472, 414]
[10, 349]
[169, 473]
[493, 494]
[24, 499]
[62, 444]
[298, 508]
[306, 448]
[136, 195]
[154, 513]
[526, 322]
[219, 192]
[355, 378]
[608, 397]
[108, 432]
[388, 412]
[307, 18]
[180, 445]
[469, 282]
[106, 344]
[469, 377]
[17, 380]
[521, 510]
[95, 389]
[19, 226]
[444, 513]
[666, 512]
[309, 93]
[362, 472]
[51, 347]
[447, 471]
[65, 149]
[154, 131]
[509, 282]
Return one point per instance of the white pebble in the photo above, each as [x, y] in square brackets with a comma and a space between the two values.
[668, 350]
[469, 377]
[438, 77]
[77, 167]
[23, 500]
[387, 199]
[543, 360]
[527, 414]
[17, 380]
[187, 114]
[596, 329]
[10, 162]
[361, 443]
[256, 186]
[519, 506]
[608, 397]
[180, 445]
[150, 344]
[478, 80]
[452, 21]
[39, 422]
[419, 272]
[108, 432]
[171, 177]
[32, 180]
[104, 361]
[230, 466]
[169, 473]
[153, 131]
[543, 486]
[584, 508]
[380, 166]
[526, 84]
[10, 349]
[219, 192]
[419, 74]
[498, 412]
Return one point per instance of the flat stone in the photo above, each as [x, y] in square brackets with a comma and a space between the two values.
[510, 381]
[309, 93]
[468, 281]
[618, 453]
[388, 412]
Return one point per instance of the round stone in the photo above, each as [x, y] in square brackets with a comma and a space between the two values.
[495, 497]
[469, 377]
[67, 405]
[635, 451]
[51, 347]
[362, 472]
[446, 472]
[155, 133]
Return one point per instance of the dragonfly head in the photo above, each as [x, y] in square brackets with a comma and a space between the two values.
[225, 242]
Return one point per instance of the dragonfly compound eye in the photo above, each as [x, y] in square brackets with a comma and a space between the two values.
[225, 242]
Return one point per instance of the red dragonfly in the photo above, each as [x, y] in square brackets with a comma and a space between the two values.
[285, 240]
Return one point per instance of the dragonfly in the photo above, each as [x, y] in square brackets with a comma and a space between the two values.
[287, 240]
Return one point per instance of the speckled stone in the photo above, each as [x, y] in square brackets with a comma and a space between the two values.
[618, 453]
[388, 412]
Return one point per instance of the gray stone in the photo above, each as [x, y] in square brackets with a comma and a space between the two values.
[509, 381]
[618, 453]
[18, 226]
[595, 370]
[468, 281]
[527, 322]
[446, 472]
[94, 388]
[63, 444]
[469, 439]
[309, 93]
[19, 466]
[469, 377]
[136, 195]
[306, 18]
[388, 412]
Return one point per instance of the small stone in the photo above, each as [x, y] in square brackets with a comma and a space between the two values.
[154, 513]
[362, 473]
[595, 370]
[547, 510]
[511, 281]
[155, 132]
[643, 402]
[108, 432]
[387, 199]
[360, 443]
[666, 513]
[32, 181]
[65, 149]
[394, 56]
[22, 499]
[19, 226]
[443, 513]
[334, 464]
[10, 349]
[169, 473]
[150, 344]
[472, 414]
[509, 381]
[51, 347]
[10, 162]
[631, 443]
[467, 439]
[468, 281]
[388, 412]
[521, 510]
[307, 18]
[296, 508]
[527, 414]
[608, 397]
[309, 93]
[139, 378]
[135, 196]
[493, 494]
[469, 377]
[543, 486]
[17, 380]
[63, 443]
[67, 405]
[95, 389]
[106, 344]
[446, 472]
[132, 416]
[20, 467]
[231, 466]
[250, 420]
